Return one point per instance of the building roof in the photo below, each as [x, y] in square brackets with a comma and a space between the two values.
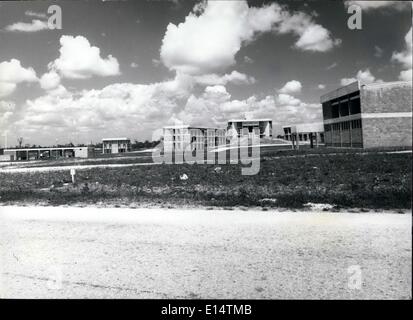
[44, 148]
[356, 85]
[191, 127]
[115, 139]
[248, 120]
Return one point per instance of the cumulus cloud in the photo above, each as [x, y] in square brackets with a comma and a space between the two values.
[11, 74]
[34, 26]
[40, 15]
[213, 33]
[50, 80]
[79, 60]
[6, 111]
[364, 76]
[292, 86]
[405, 58]
[234, 77]
[114, 110]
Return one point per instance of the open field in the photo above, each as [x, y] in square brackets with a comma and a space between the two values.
[350, 180]
[153, 253]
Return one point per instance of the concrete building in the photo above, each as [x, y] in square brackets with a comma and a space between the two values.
[368, 115]
[244, 127]
[302, 133]
[115, 145]
[47, 153]
[177, 138]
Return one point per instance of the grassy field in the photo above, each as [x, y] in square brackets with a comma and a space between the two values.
[288, 180]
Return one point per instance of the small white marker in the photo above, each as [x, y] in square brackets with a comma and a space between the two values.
[73, 173]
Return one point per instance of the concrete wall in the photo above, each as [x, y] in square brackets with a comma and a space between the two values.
[387, 132]
[388, 97]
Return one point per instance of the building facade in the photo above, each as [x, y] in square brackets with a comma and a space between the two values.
[244, 127]
[115, 145]
[178, 138]
[368, 115]
[25, 154]
[303, 132]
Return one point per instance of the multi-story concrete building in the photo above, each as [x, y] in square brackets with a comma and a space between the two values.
[47, 153]
[302, 133]
[178, 138]
[368, 115]
[244, 127]
[115, 145]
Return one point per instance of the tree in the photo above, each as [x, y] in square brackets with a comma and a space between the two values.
[20, 141]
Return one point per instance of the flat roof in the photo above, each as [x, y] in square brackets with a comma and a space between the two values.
[248, 120]
[115, 139]
[45, 148]
[356, 85]
[191, 127]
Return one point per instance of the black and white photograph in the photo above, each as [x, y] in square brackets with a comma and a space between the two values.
[200, 150]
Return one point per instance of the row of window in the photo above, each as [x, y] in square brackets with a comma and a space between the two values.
[346, 125]
[341, 108]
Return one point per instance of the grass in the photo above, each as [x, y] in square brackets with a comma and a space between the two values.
[373, 180]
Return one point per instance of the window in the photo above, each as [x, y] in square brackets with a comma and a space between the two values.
[344, 108]
[356, 124]
[355, 105]
[327, 110]
[327, 127]
[335, 110]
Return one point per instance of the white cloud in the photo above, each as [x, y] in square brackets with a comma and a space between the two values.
[365, 77]
[11, 74]
[248, 59]
[405, 58]
[321, 86]
[286, 99]
[316, 38]
[234, 77]
[34, 26]
[40, 15]
[50, 80]
[332, 66]
[214, 32]
[6, 111]
[372, 5]
[7, 88]
[292, 86]
[79, 60]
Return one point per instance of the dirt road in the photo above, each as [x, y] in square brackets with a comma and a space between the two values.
[55, 252]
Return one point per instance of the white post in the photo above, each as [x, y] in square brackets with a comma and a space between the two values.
[73, 173]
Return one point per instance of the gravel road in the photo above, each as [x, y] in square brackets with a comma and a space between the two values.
[61, 252]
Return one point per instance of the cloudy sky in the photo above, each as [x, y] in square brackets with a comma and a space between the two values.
[126, 68]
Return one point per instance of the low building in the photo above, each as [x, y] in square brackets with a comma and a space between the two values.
[244, 127]
[304, 131]
[19, 154]
[368, 115]
[115, 145]
[178, 138]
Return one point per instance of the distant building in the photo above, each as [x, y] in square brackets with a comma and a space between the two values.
[115, 145]
[303, 131]
[177, 138]
[368, 115]
[47, 153]
[244, 127]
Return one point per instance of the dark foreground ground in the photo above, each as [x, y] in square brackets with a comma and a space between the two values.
[48, 252]
[286, 179]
